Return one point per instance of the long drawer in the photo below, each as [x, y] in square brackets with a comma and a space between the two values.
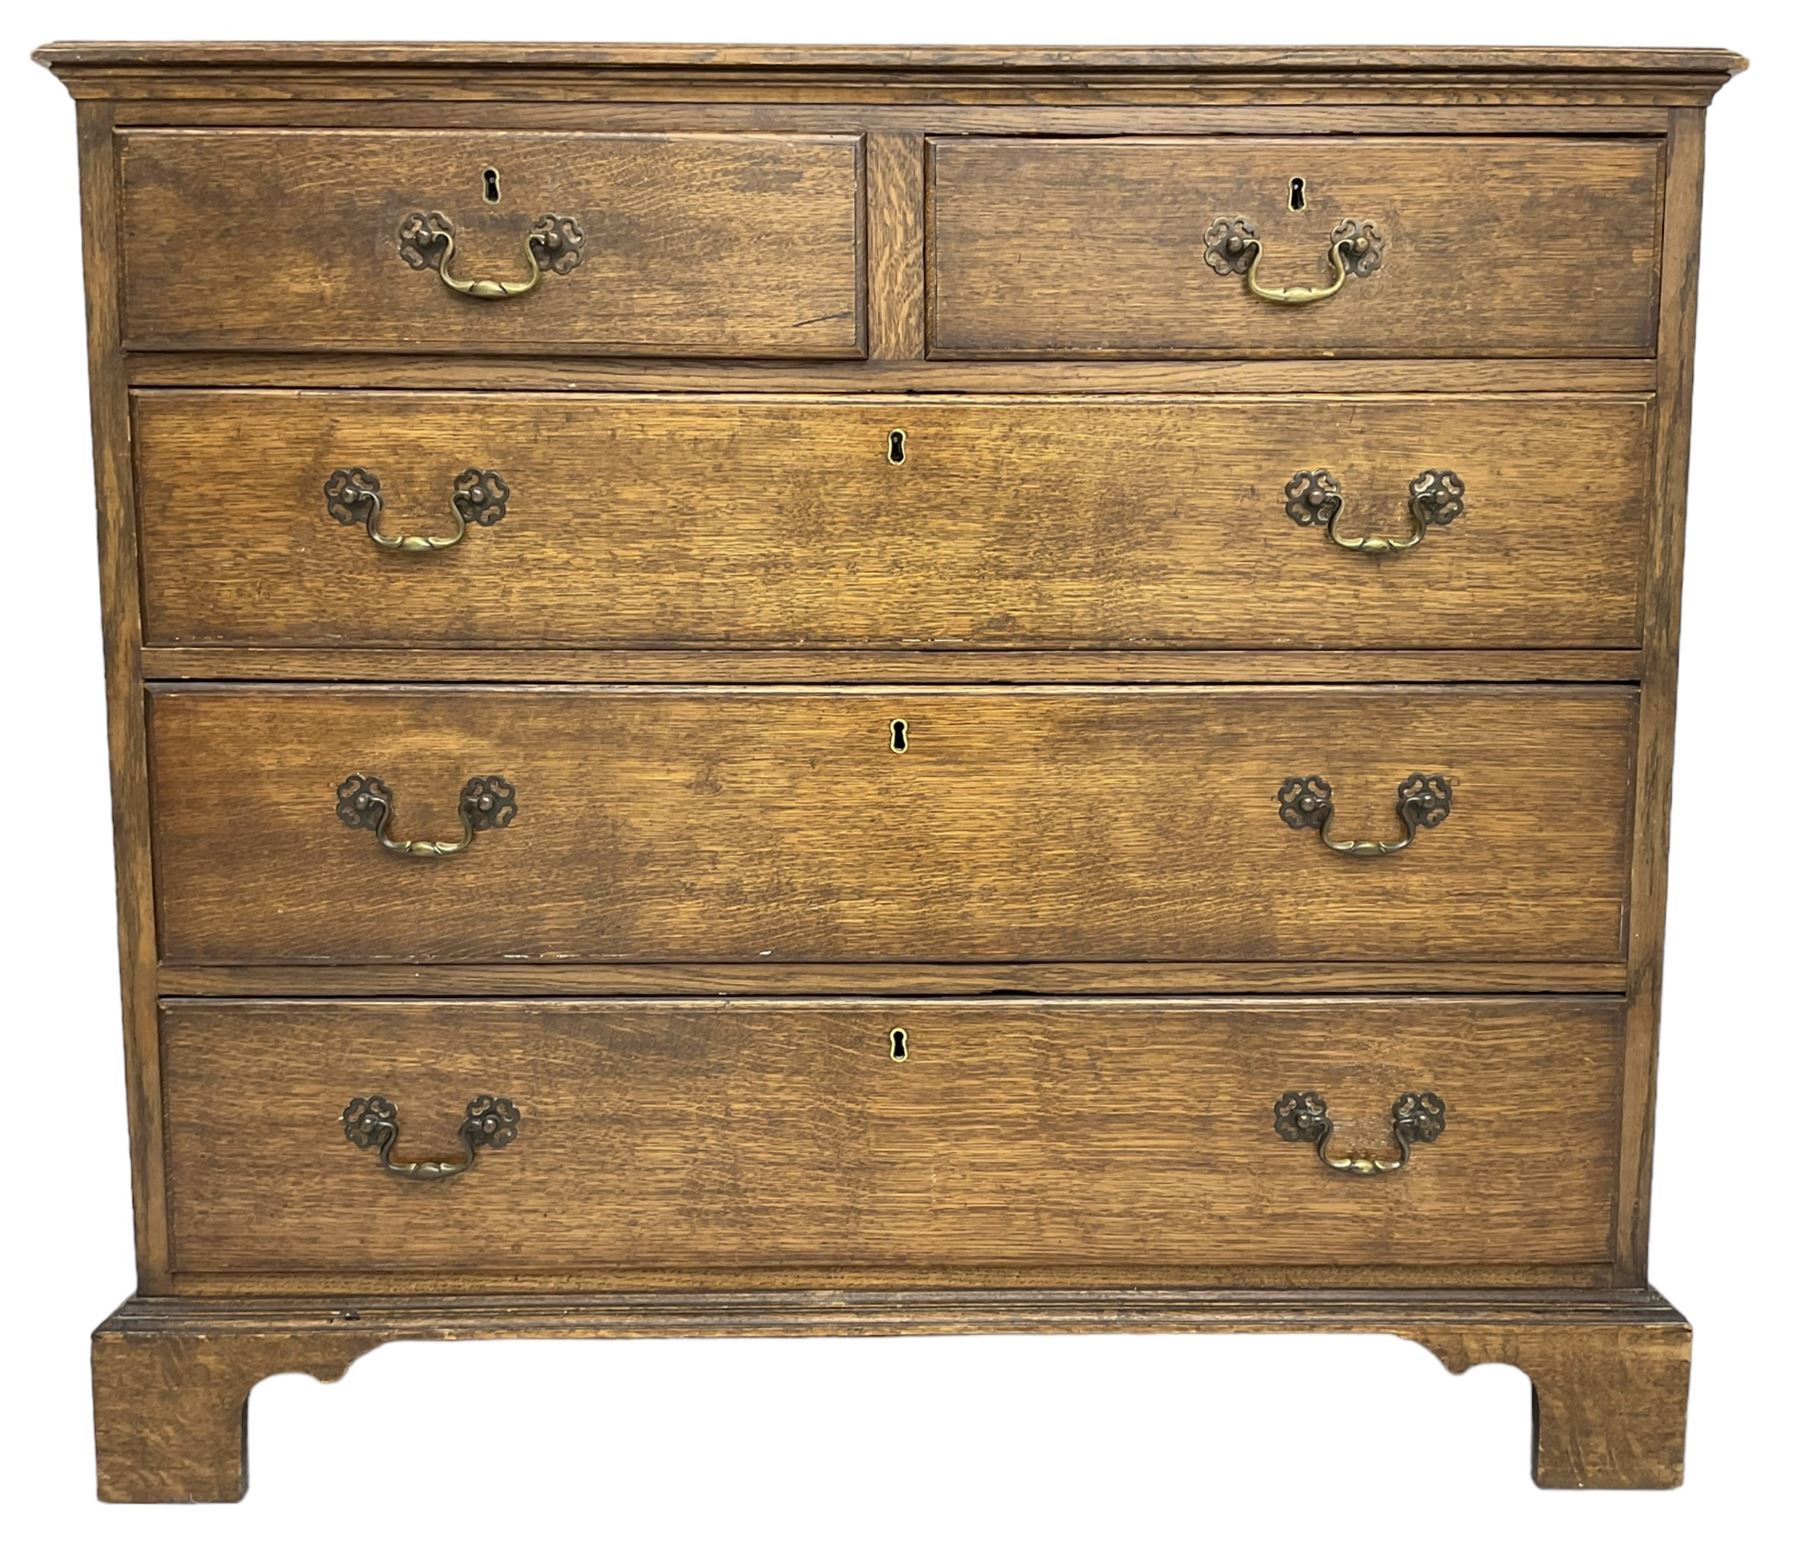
[690, 1135]
[681, 244]
[1477, 246]
[299, 825]
[989, 522]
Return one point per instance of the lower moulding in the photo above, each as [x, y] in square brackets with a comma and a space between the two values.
[172, 1377]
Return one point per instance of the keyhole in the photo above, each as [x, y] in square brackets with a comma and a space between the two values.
[1297, 194]
[490, 185]
[897, 735]
[897, 1046]
[896, 447]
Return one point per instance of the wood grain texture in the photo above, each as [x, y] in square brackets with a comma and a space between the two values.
[371, 74]
[765, 521]
[1655, 762]
[386, 92]
[122, 639]
[769, 825]
[1059, 61]
[895, 184]
[913, 978]
[476, 1280]
[172, 1411]
[742, 664]
[1134, 110]
[694, 1134]
[1071, 247]
[480, 371]
[1608, 1404]
[1608, 1371]
[712, 606]
[696, 244]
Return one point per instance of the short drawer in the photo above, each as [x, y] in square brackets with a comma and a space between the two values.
[641, 520]
[890, 824]
[1479, 247]
[681, 244]
[695, 1135]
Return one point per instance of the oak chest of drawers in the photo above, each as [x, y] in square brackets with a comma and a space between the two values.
[866, 691]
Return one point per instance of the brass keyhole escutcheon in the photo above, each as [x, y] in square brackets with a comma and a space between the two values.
[897, 735]
[897, 1045]
[1297, 193]
[490, 184]
[896, 447]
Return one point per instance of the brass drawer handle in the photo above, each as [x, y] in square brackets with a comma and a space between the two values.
[1424, 802]
[553, 245]
[1418, 1119]
[1232, 247]
[374, 1121]
[487, 801]
[1433, 499]
[353, 497]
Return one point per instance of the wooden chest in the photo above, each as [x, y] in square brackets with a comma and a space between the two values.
[860, 691]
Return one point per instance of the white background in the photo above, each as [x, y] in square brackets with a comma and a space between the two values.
[1127, 1440]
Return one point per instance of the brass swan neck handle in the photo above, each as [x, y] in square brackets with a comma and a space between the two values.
[1354, 248]
[374, 1122]
[478, 496]
[1423, 802]
[552, 246]
[1418, 1119]
[1435, 498]
[487, 801]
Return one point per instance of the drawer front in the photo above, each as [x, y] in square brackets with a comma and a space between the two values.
[1486, 246]
[689, 244]
[695, 1134]
[644, 520]
[734, 825]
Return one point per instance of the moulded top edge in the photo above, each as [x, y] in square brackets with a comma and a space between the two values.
[1179, 60]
